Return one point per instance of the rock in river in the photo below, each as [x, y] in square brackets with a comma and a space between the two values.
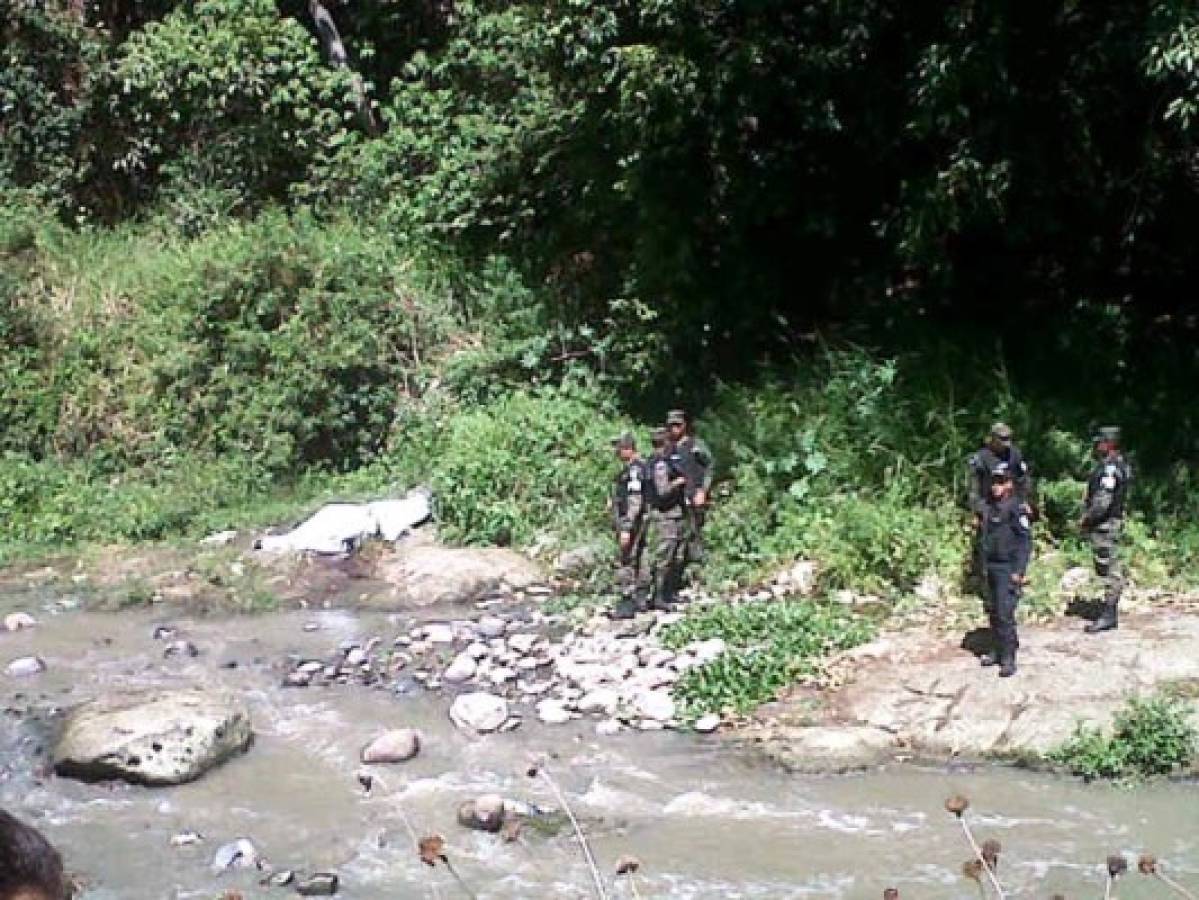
[479, 711]
[155, 737]
[24, 667]
[322, 884]
[399, 745]
[485, 813]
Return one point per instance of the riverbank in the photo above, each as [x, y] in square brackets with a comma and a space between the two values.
[702, 816]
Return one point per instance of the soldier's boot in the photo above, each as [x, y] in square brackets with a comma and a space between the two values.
[625, 609]
[990, 658]
[1007, 664]
[1108, 620]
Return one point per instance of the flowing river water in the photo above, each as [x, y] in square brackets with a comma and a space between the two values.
[704, 817]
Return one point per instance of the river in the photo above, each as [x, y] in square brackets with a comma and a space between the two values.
[704, 817]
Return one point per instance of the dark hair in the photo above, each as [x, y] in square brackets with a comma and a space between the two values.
[28, 860]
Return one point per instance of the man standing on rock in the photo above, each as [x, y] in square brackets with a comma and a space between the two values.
[30, 868]
[1005, 536]
[628, 512]
[1103, 520]
[701, 467]
[668, 481]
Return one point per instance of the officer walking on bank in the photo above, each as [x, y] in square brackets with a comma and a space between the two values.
[701, 466]
[1005, 536]
[629, 519]
[1103, 520]
[666, 499]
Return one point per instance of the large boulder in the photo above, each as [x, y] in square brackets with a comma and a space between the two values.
[155, 738]
[399, 745]
[425, 574]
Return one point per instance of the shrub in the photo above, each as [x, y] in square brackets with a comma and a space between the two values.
[1151, 736]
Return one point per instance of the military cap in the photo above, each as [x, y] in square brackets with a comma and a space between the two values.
[676, 417]
[1107, 433]
[1001, 472]
[1001, 431]
[625, 441]
[660, 435]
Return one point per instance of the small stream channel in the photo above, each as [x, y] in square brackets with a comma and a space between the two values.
[705, 818]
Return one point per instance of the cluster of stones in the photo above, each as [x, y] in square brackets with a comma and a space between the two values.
[620, 675]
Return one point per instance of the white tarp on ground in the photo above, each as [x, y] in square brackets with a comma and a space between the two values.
[341, 527]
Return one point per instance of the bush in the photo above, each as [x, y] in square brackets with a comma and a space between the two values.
[525, 463]
[1151, 736]
[769, 646]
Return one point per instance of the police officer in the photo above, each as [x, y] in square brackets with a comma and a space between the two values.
[666, 499]
[998, 448]
[629, 519]
[1103, 520]
[1006, 539]
[701, 466]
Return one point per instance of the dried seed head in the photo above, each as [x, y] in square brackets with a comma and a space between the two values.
[1147, 864]
[891, 894]
[510, 831]
[627, 864]
[990, 852]
[972, 869]
[432, 849]
[1117, 865]
[957, 804]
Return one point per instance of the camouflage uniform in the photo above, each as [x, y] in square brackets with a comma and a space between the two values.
[629, 518]
[667, 524]
[1103, 520]
[701, 466]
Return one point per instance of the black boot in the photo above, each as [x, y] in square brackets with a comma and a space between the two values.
[1007, 665]
[1109, 619]
[625, 609]
[990, 658]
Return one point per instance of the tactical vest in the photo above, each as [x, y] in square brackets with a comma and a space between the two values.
[663, 470]
[1001, 539]
[1111, 475]
[631, 480]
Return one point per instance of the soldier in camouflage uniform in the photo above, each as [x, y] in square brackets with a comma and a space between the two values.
[629, 519]
[666, 498]
[701, 466]
[1103, 520]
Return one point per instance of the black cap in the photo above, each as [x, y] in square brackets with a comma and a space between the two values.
[625, 441]
[660, 436]
[1108, 433]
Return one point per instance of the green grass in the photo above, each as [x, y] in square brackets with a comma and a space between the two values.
[1150, 736]
[770, 645]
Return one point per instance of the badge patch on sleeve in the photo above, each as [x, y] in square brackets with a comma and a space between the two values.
[1108, 482]
[1024, 523]
[634, 485]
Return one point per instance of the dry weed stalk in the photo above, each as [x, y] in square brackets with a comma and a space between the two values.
[628, 865]
[957, 806]
[1148, 865]
[431, 849]
[1117, 865]
[539, 770]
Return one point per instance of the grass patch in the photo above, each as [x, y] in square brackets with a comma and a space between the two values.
[1151, 736]
[770, 646]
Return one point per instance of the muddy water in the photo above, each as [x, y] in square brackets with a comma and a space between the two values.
[705, 820]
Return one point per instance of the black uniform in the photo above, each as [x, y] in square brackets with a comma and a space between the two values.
[1006, 545]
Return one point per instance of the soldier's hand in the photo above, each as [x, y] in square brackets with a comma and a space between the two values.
[1019, 580]
[700, 498]
[1082, 524]
[626, 541]
[977, 522]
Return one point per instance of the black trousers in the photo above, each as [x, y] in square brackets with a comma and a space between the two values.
[1001, 606]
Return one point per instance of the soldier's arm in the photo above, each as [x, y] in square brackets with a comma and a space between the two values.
[975, 497]
[1023, 529]
[636, 505]
[707, 463]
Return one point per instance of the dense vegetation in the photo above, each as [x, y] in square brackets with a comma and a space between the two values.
[245, 265]
[1150, 736]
